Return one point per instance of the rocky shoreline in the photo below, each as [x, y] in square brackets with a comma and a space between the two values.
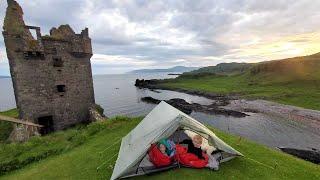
[308, 117]
[153, 84]
[233, 102]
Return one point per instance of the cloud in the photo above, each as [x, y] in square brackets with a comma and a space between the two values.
[113, 64]
[131, 34]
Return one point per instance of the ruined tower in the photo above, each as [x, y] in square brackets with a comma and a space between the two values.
[51, 74]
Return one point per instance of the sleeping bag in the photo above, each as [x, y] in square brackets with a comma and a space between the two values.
[189, 159]
[157, 158]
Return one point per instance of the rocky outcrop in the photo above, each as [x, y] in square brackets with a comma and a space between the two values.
[187, 108]
[95, 114]
[152, 83]
[308, 155]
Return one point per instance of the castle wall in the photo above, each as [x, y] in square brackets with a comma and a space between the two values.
[72, 105]
[51, 74]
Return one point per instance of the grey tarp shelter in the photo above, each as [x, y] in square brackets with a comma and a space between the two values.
[162, 122]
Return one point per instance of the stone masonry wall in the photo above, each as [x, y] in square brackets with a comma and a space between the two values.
[39, 65]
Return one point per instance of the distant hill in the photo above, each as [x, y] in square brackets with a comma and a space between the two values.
[224, 69]
[179, 69]
[1, 77]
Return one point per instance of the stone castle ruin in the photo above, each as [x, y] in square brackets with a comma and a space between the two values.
[51, 74]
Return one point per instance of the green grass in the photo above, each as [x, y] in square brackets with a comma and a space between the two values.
[81, 162]
[17, 155]
[11, 113]
[6, 127]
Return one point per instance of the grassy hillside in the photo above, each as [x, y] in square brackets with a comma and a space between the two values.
[294, 81]
[305, 68]
[80, 162]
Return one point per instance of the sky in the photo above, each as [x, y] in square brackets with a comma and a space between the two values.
[136, 34]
